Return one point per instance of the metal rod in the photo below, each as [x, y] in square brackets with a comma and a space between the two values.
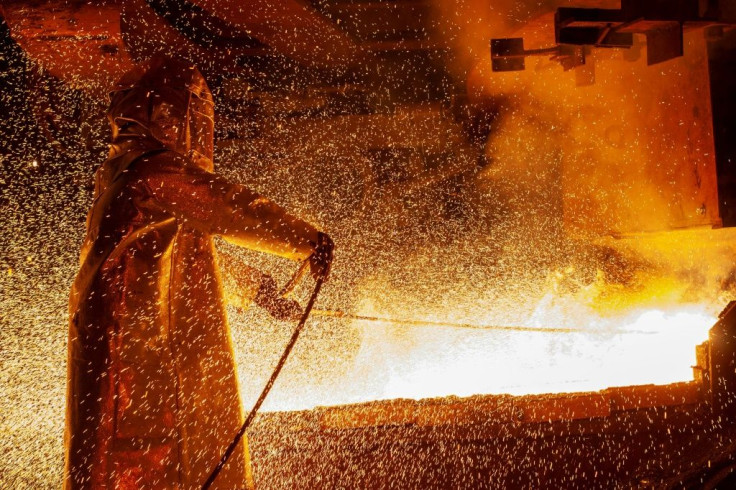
[427, 323]
[295, 280]
[528, 52]
[541, 51]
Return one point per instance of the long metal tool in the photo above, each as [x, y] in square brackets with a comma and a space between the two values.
[427, 323]
[231, 448]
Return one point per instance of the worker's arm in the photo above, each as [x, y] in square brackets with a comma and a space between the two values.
[244, 285]
[240, 281]
[211, 204]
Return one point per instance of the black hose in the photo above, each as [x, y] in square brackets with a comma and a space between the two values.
[267, 388]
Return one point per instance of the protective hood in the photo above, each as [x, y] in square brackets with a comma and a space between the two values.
[168, 100]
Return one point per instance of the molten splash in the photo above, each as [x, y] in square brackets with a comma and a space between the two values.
[634, 310]
[595, 152]
[639, 347]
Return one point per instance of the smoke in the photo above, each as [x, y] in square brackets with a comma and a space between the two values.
[524, 239]
[573, 164]
[574, 220]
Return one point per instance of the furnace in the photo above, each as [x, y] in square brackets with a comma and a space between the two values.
[535, 267]
[666, 436]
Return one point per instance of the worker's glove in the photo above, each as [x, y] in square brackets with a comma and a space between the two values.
[321, 259]
[278, 307]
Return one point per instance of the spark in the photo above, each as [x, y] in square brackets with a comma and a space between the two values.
[485, 245]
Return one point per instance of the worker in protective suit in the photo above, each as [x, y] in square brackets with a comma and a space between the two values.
[152, 397]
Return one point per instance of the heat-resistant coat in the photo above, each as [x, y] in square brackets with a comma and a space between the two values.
[152, 396]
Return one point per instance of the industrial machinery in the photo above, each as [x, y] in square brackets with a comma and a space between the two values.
[498, 217]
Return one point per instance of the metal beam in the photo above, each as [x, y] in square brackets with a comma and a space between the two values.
[290, 27]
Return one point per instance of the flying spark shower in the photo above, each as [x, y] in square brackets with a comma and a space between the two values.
[511, 235]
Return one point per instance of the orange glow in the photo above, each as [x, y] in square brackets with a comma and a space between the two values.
[629, 346]
[643, 347]
[640, 331]
[587, 207]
